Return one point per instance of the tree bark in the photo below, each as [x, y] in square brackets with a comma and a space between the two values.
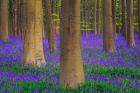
[98, 20]
[85, 16]
[33, 43]
[4, 20]
[50, 27]
[114, 16]
[108, 37]
[130, 34]
[95, 10]
[139, 18]
[71, 66]
[124, 19]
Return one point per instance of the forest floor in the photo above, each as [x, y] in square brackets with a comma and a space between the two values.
[104, 73]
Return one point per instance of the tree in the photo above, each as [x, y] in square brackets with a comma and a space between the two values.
[33, 46]
[85, 14]
[50, 26]
[139, 17]
[130, 33]
[124, 20]
[95, 8]
[114, 16]
[4, 20]
[71, 67]
[15, 18]
[108, 33]
[98, 15]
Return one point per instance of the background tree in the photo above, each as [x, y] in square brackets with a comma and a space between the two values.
[95, 10]
[98, 16]
[114, 16]
[51, 35]
[124, 20]
[71, 67]
[108, 37]
[139, 18]
[130, 29]
[4, 20]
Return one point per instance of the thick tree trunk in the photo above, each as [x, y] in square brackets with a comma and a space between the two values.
[33, 46]
[4, 20]
[108, 37]
[71, 67]
[130, 34]
[50, 27]
[95, 10]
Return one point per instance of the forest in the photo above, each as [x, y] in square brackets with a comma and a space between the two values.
[69, 46]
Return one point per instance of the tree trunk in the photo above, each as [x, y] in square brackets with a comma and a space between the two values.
[130, 37]
[95, 10]
[98, 16]
[50, 27]
[85, 16]
[114, 17]
[4, 20]
[108, 37]
[139, 18]
[33, 46]
[71, 66]
[124, 19]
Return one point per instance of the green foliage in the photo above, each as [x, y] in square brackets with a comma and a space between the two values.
[23, 69]
[92, 86]
[43, 87]
[30, 87]
[114, 71]
[7, 42]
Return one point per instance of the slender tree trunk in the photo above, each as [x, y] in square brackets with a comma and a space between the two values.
[98, 16]
[33, 46]
[130, 34]
[101, 18]
[4, 20]
[139, 18]
[108, 37]
[71, 66]
[19, 18]
[114, 17]
[50, 27]
[85, 16]
[95, 10]
[15, 17]
[23, 17]
[124, 19]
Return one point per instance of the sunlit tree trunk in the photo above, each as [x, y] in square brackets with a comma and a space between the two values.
[108, 37]
[130, 37]
[4, 20]
[33, 46]
[95, 10]
[50, 26]
[71, 66]
[124, 19]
